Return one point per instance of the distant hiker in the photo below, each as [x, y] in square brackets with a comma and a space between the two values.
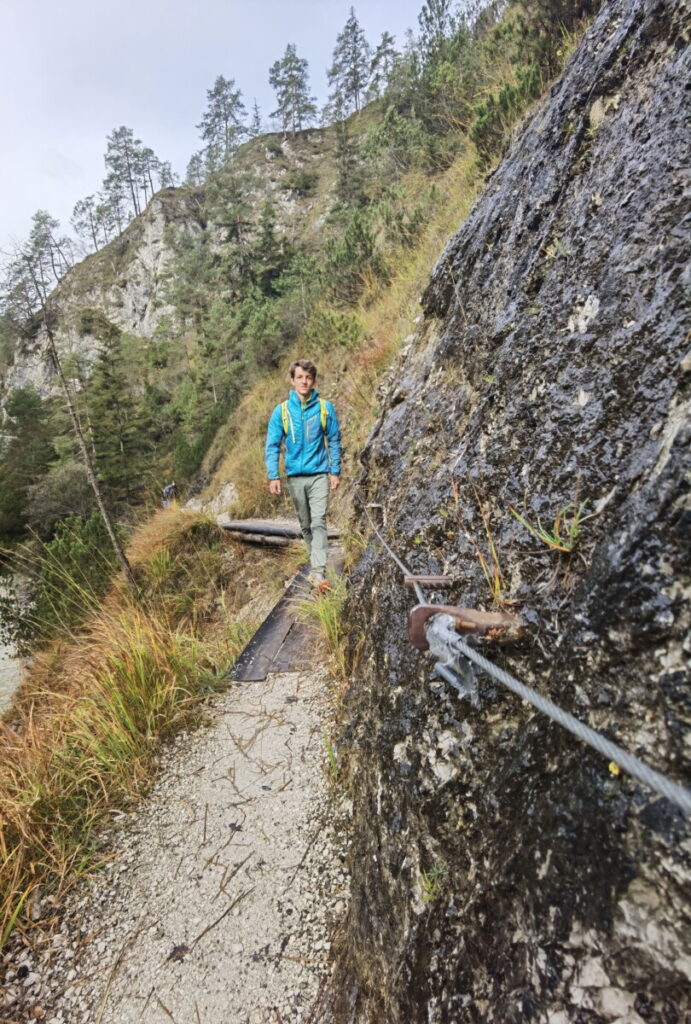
[307, 428]
[170, 494]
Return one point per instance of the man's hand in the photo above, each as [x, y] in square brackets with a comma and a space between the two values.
[335, 481]
[274, 486]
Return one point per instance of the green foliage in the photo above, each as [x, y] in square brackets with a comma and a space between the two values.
[222, 125]
[64, 491]
[495, 114]
[118, 424]
[432, 883]
[24, 457]
[353, 257]
[67, 577]
[96, 323]
[350, 68]
[566, 530]
[296, 108]
[301, 181]
[327, 329]
[394, 144]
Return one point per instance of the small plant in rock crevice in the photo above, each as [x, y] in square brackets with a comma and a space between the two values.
[566, 529]
[432, 883]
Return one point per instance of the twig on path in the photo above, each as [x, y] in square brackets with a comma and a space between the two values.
[303, 959]
[196, 1010]
[222, 883]
[219, 919]
[304, 857]
[148, 998]
[165, 1008]
[206, 818]
[130, 937]
[318, 1005]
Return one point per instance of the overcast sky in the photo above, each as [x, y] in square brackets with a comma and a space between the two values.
[73, 70]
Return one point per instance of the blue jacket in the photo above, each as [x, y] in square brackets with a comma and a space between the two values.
[307, 448]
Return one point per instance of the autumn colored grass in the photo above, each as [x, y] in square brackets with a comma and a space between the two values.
[85, 730]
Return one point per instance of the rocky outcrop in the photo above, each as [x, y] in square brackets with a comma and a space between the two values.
[502, 872]
[123, 284]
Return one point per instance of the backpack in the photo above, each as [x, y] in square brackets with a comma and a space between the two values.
[287, 421]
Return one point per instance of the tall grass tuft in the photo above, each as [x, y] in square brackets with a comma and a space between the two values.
[86, 728]
[325, 612]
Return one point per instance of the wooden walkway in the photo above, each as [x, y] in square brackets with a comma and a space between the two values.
[283, 642]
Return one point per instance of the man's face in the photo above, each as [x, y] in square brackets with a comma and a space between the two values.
[303, 382]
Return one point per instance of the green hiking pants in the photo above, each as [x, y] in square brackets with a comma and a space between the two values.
[310, 496]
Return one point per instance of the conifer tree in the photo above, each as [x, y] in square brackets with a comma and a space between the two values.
[30, 276]
[296, 107]
[124, 164]
[349, 71]
[222, 126]
[116, 423]
[256, 126]
[84, 220]
[381, 66]
[438, 23]
[195, 170]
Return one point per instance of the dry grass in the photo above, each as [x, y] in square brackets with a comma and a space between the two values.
[86, 726]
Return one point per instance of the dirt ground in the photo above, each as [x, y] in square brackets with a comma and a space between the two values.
[223, 888]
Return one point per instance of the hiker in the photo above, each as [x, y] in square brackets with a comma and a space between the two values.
[170, 493]
[307, 428]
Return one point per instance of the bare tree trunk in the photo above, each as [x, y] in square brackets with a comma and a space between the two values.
[88, 464]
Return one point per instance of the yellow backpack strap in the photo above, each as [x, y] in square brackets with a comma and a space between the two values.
[324, 412]
[286, 420]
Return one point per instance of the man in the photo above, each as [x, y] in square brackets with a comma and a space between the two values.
[307, 428]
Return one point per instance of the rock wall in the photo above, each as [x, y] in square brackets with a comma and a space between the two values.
[125, 282]
[501, 871]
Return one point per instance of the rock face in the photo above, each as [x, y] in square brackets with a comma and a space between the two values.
[124, 283]
[502, 872]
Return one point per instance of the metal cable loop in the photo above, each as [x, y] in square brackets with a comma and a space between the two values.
[439, 627]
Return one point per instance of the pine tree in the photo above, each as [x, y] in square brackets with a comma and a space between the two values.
[256, 127]
[296, 107]
[195, 170]
[85, 221]
[124, 163]
[349, 71]
[438, 23]
[117, 424]
[381, 66]
[30, 276]
[222, 125]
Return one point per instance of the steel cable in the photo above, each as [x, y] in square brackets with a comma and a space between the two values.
[439, 629]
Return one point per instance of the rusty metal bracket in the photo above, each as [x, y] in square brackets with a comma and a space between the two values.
[428, 581]
[467, 620]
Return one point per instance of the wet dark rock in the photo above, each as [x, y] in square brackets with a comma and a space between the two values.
[552, 368]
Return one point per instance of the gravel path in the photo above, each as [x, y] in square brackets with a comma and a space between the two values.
[225, 885]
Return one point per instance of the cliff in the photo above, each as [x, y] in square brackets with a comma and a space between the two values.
[126, 283]
[501, 871]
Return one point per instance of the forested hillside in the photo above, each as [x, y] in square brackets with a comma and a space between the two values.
[272, 244]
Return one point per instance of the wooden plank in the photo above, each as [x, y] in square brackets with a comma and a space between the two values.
[256, 660]
[268, 527]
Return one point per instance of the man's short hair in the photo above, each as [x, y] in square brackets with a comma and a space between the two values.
[303, 364]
